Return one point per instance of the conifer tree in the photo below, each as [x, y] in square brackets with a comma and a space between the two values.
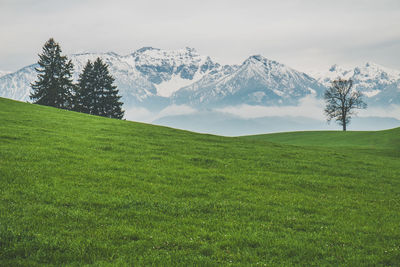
[105, 101]
[96, 93]
[54, 81]
[84, 96]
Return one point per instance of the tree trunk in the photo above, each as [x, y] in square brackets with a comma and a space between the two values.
[344, 118]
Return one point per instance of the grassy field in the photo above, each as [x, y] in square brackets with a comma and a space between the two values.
[380, 140]
[77, 189]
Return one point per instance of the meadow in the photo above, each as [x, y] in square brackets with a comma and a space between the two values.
[77, 189]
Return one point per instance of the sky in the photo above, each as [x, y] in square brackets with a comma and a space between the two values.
[308, 35]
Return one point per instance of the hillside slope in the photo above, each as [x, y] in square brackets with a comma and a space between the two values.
[77, 189]
[380, 140]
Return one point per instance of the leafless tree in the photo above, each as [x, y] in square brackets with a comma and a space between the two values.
[341, 101]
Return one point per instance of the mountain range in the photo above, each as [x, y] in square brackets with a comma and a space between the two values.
[154, 79]
[2, 72]
[380, 85]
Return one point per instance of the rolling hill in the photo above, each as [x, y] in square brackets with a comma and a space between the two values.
[78, 189]
[387, 139]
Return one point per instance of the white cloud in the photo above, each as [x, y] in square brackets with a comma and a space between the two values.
[175, 110]
[309, 107]
[144, 115]
[139, 114]
[391, 111]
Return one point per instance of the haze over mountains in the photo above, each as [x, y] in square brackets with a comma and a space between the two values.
[161, 86]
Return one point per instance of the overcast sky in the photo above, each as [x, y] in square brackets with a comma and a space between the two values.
[304, 34]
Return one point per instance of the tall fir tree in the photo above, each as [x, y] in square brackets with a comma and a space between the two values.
[54, 84]
[106, 101]
[84, 96]
[96, 93]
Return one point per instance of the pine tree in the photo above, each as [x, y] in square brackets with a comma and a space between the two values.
[54, 84]
[84, 96]
[96, 93]
[105, 97]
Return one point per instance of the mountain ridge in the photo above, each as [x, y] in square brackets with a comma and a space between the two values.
[154, 78]
[379, 84]
[257, 80]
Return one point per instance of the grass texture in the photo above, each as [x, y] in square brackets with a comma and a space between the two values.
[80, 190]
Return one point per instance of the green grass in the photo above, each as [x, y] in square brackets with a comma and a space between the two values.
[77, 189]
[387, 140]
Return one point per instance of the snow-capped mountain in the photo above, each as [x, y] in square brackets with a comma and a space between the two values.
[146, 77]
[133, 86]
[170, 70]
[258, 81]
[131, 83]
[2, 72]
[154, 78]
[17, 85]
[379, 84]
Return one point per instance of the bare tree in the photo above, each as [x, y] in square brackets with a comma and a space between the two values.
[341, 101]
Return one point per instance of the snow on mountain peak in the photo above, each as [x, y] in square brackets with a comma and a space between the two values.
[145, 48]
[333, 67]
[253, 58]
[152, 77]
[271, 71]
[257, 80]
[367, 71]
[171, 70]
[2, 73]
[370, 78]
[151, 54]
[259, 59]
